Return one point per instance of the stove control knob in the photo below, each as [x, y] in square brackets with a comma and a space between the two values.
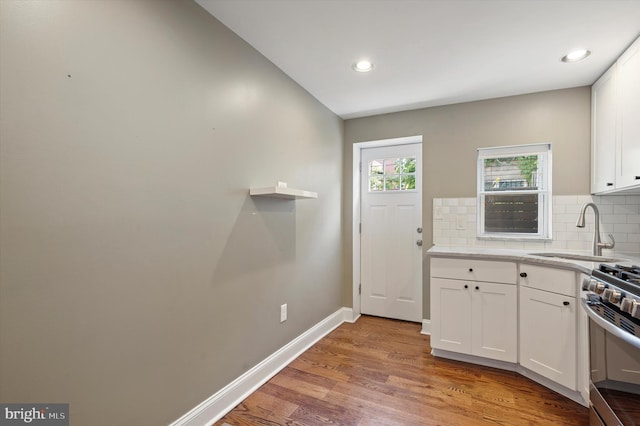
[589, 285]
[599, 288]
[607, 293]
[614, 296]
[627, 305]
[635, 309]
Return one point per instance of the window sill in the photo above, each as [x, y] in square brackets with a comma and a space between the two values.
[514, 238]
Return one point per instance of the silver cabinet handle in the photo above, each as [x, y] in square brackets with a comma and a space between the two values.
[419, 243]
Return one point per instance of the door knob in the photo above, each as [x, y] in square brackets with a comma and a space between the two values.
[419, 243]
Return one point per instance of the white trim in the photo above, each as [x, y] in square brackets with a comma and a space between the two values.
[426, 327]
[355, 226]
[220, 403]
[354, 316]
[514, 150]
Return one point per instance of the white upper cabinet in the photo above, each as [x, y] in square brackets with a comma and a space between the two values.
[615, 128]
[628, 164]
[603, 132]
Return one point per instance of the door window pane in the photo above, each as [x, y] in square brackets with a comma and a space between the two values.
[408, 182]
[376, 183]
[392, 182]
[392, 174]
[375, 167]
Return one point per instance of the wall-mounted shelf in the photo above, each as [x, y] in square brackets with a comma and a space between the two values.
[280, 191]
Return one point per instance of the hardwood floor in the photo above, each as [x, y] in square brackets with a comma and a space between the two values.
[380, 372]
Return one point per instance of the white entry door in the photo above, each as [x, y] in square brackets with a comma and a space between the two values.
[391, 232]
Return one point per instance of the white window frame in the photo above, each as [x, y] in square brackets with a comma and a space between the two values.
[544, 190]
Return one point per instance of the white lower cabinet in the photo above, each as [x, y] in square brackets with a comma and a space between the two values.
[494, 321]
[482, 310]
[475, 318]
[548, 335]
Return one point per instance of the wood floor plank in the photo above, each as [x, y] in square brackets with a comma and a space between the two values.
[378, 371]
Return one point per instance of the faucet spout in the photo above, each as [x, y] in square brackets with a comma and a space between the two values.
[598, 245]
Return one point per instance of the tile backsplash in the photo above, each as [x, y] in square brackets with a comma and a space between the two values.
[455, 224]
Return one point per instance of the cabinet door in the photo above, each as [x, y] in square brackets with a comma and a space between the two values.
[451, 315]
[603, 132]
[628, 162]
[494, 323]
[548, 335]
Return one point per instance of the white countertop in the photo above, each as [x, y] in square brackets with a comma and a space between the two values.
[528, 257]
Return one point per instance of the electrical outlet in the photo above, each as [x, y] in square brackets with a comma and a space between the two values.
[283, 312]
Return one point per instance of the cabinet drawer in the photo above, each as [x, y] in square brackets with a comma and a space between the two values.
[474, 270]
[560, 281]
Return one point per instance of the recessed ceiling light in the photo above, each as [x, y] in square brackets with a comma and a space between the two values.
[363, 66]
[576, 55]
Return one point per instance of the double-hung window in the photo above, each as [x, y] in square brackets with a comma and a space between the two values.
[514, 192]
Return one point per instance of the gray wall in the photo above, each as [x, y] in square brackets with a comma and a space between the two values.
[137, 275]
[451, 135]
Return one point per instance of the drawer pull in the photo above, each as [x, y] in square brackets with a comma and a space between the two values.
[637, 177]
[611, 183]
[477, 288]
[466, 286]
[523, 274]
[565, 303]
[470, 269]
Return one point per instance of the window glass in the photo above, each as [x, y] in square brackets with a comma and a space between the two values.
[507, 173]
[511, 213]
[514, 192]
[392, 174]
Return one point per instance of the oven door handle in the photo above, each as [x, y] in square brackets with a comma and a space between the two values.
[610, 328]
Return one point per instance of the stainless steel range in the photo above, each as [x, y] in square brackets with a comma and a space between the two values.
[611, 299]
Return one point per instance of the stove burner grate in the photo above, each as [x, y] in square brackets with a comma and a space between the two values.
[625, 273]
[622, 277]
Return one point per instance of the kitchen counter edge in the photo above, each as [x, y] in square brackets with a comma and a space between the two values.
[483, 253]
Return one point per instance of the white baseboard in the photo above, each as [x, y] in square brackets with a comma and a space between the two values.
[220, 403]
[351, 316]
[426, 327]
[473, 359]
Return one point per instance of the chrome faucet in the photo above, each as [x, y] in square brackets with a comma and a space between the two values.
[598, 245]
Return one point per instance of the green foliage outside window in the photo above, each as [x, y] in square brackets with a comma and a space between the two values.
[528, 165]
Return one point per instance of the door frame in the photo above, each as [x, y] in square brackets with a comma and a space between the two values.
[356, 213]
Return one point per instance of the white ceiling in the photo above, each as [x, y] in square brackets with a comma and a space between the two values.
[431, 52]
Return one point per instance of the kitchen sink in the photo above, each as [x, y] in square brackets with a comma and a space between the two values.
[581, 257]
